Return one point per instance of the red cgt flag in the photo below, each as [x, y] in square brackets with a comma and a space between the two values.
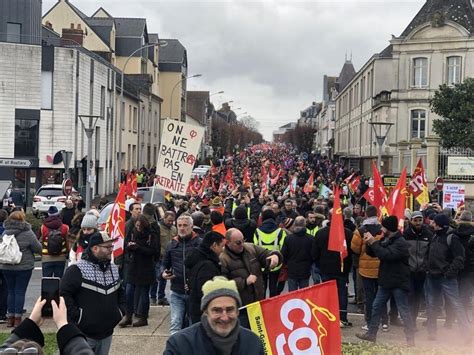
[305, 321]
[337, 238]
[397, 200]
[246, 178]
[380, 196]
[116, 222]
[131, 186]
[308, 187]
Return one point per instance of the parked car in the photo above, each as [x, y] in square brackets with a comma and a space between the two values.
[207, 167]
[47, 196]
[200, 172]
[144, 196]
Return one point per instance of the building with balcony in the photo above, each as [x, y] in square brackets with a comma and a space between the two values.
[395, 86]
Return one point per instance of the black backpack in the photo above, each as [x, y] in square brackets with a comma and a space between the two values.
[55, 242]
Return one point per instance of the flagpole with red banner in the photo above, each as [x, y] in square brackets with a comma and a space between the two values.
[305, 321]
[116, 222]
[337, 237]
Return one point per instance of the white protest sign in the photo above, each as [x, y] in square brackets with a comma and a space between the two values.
[179, 148]
[453, 195]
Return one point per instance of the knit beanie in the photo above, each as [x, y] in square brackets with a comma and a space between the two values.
[53, 211]
[89, 220]
[288, 222]
[441, 220]
[240, 213]
[219, 286]
[391, 223]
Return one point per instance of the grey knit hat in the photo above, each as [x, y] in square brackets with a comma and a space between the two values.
[219, 286]
[89, 220]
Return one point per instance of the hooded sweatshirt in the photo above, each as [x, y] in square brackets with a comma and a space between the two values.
[53, 223]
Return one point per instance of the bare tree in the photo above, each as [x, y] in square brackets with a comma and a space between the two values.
[250, 122]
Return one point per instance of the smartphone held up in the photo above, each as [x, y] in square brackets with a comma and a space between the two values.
[49, 292]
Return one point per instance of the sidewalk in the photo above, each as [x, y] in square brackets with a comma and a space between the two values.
[152, 338]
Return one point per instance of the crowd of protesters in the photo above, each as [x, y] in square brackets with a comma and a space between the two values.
[253, 220]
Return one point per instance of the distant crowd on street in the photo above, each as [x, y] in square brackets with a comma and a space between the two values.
[255, 226]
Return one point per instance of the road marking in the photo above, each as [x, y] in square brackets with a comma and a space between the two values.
[38, 268]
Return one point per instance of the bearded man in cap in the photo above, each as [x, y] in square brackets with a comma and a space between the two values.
[219, 331]
[93, 294]
[445, 261]
[394, 277]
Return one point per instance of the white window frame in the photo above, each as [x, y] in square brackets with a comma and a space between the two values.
[417, 79]
[453, 76]
[419, 118]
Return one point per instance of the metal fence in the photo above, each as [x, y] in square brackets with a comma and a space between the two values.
[463, 164]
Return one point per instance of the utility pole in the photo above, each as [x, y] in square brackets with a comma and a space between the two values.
[89, 130]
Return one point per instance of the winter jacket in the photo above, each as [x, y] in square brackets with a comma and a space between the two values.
[238, 267]
[465, 233]
[27, 243]
[166, 235]
[270, 236]
[444, 260]
[329, 262]
[246, 226]
[418, 246]
[141, 257]
[368, 266]
[94, 296]
[69, 338]
[394, 271]
[194, 340]
[53, 223]
[174, 257]
[296, 252]
[67, 214]
[202, 264]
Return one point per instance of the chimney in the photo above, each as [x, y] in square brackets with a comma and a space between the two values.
[72, 36]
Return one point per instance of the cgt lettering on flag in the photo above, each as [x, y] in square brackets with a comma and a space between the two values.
[300, 322]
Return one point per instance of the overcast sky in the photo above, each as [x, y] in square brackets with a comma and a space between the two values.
[268, 56]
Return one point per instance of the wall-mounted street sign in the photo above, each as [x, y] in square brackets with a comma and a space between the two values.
[16, 163]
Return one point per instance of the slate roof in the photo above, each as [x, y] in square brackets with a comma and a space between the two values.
[387, 52]
[79, 12]
[129, 27]
[346, 75]
[174, 52]
[459, 11]
[153, 37]
[102, 26]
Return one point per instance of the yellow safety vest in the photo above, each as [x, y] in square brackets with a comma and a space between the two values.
[312, 232]
[270, 241]
[234, 206]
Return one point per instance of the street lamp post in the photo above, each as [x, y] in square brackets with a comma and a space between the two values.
[122, 102]
[172, 91]
[381, 130]
[89, 130]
